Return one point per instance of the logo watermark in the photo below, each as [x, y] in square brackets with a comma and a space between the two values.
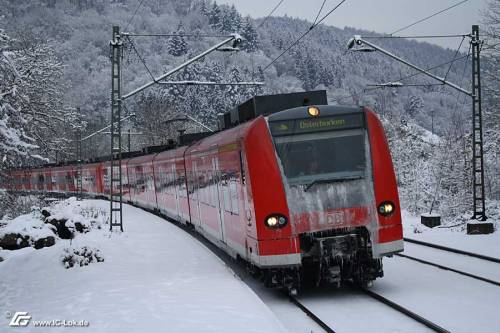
[20, 318]
[23, 319]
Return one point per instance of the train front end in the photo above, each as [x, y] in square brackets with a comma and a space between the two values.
[340, 191]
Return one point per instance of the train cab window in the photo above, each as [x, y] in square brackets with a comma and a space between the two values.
[335, 155]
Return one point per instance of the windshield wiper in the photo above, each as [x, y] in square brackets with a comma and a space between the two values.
[330, 180]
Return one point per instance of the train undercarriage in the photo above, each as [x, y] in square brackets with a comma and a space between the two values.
[329, 258]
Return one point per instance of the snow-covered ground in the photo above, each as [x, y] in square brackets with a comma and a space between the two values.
[449, 299]
[488, 245]
[154, 278]
[455, 302]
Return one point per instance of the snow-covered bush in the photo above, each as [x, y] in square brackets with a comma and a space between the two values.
[26, 230]
[81, 256]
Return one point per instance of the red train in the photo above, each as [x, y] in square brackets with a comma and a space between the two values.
[306, 193]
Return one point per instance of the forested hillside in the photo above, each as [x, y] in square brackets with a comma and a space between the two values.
[431, 169]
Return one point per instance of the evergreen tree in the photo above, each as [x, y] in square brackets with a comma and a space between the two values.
[251, 43]
[177, 45]
[234, 19]
[214, 17]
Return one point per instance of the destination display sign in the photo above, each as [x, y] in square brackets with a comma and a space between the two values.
[316, 124]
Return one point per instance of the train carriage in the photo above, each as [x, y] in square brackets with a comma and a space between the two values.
[92, 179]
[166, 184]
[141, 178]
[216, 188]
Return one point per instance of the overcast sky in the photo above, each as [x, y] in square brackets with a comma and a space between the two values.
[384, 16]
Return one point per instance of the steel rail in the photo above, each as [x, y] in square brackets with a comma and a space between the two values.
[433, 326]
[449, 249]
[446, 268]
[311, 315]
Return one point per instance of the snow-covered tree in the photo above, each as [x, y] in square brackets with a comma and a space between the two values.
[34, 121]
[214, 17]
[230, 20]
[248, 32]
[413, 106]
[14, 141]
[177, 45]
[491, 99]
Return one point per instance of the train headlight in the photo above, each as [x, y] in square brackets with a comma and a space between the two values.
[313, 111]
[275, 221]
[386, 208]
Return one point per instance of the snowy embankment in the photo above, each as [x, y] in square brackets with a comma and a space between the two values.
[444, 297]
[154, 277]
[454, 235]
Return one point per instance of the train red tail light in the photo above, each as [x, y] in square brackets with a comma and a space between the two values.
[386, 208]
[275, 221]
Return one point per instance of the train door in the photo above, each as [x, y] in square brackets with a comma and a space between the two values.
[219, 204]
[196, 192]
[246, 202]
[176, 191]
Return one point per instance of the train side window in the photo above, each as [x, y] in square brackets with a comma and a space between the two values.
[168, 180]
[206, 183]
[233, 189]
[226, 197]
[171, 180]
[213, 188]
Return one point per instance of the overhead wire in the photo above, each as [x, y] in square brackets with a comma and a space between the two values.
[270, 13]
[428, 17]
[415, 37]
[463, 77]
[319, 12]
[304, 34]
[177, 35]
[454, 57]
[141, 58]
[135, 12]
[431, 68]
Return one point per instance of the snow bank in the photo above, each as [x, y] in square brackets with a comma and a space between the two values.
[154, 278]
[27, 225]
[454, 235]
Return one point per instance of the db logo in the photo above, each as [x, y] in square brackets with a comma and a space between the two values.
[335, 217]
[20, 319]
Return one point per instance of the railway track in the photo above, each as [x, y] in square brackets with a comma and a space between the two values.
[311, 315]
[397, 307]
[449, 249]
[433, 326]
[446, 267]
[315, 318]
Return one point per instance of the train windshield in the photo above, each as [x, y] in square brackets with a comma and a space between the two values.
[325, 156]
